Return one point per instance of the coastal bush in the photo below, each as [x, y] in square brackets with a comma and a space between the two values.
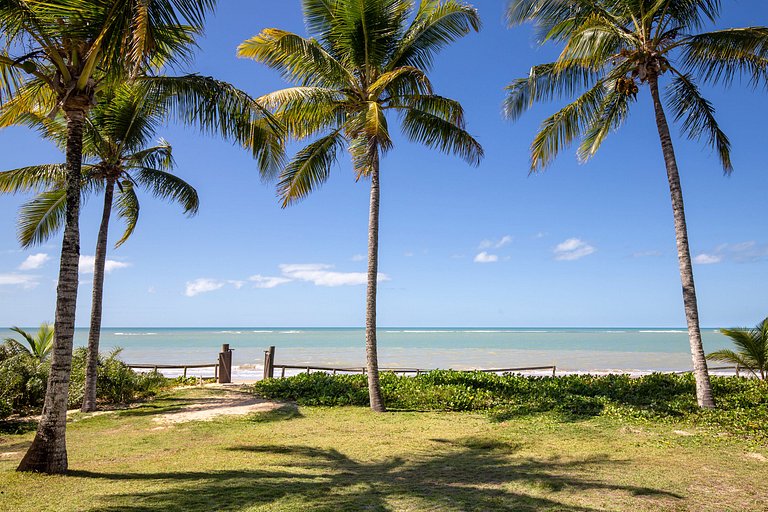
[742, 403]
[23, 381]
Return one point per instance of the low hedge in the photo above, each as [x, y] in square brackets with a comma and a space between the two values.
[742, 403]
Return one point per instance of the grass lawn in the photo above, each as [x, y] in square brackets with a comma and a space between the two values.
[347, 458]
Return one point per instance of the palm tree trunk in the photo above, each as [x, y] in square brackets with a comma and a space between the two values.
[48, 452]
[372, 359]
[92, 360]
[703, 385]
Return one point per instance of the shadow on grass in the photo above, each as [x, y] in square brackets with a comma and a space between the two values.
[468, 474]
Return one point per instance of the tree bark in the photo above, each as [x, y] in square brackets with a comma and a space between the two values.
[48, 452]
[94, 334]
[372, 360]
[703, 385]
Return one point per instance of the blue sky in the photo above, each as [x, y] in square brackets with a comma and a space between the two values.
[579, 245]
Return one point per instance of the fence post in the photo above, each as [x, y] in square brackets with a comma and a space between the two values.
[269, 363]
[554, 369]
[737, 369]
[225, 364]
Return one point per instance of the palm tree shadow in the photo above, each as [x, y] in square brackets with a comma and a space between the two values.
[469, 474]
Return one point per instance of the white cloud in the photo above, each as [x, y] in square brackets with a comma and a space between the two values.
[540, 234]
[408, 254]
[202, 285]
[496, 244]
[358, 257]
[322, 275]
[573, 249]
[484, 257]
[23, 280]
[236, 283]
[260, 281]
[707, 259]
[151, 289]
[87, 264]
[34, 261]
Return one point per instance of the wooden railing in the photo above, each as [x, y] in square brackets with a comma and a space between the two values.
[404, 371]
[155, 367]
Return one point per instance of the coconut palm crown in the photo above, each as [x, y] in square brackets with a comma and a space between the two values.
[362, 61]
[612, 48]
[751, 349]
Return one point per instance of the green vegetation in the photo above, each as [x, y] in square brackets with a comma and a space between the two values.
[743, 403]
[23, 380]
[38, 346]
[344, 458]
[751, 349]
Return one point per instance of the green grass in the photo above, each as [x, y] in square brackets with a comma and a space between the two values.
[347, 458]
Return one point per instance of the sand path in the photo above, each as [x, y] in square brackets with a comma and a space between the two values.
[231, 403]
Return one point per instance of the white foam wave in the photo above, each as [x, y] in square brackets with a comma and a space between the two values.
[135, 334]
[262, 331]
[664, 331]
[291, 332]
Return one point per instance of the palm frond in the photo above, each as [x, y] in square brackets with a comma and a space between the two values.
[611, 114]
[127, 206]
[435, 132]
[545, 82]
[32, 179]
[698, 117]
[560, 129]
[309, 168]
[724, 55]
[42, 217]
[296, 58]
[165, 185]
[436, 25]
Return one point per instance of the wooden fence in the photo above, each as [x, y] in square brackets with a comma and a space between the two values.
[155, 367]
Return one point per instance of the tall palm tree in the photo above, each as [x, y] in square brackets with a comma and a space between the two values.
[363, 60]
[118, 153]
[751, 349]
[37, 346]
[70, 49]
[611, 49]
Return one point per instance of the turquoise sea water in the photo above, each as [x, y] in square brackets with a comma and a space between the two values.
[571, 349]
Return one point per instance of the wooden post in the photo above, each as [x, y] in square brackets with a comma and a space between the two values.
[282, 373]
[554, 369]
[737, 369]
[216, 372]
[185, 373]
[225, 364]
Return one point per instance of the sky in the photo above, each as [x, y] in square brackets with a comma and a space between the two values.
[582, 244]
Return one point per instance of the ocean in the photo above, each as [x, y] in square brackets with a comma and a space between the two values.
[598, 350]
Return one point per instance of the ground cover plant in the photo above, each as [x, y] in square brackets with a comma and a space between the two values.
[742, 403]
[344, 458]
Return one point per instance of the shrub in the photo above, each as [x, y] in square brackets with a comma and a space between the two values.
[23, 381]
[742, 403]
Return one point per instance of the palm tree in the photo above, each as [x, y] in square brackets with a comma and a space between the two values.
[364, 59]
[72, 49]
[612, 47]
[116, 143]
[752, 349]
[40, 345]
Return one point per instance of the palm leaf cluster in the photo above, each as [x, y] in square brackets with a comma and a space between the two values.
[117, 149]
[751, 349]
[363, 60]
[611, 48]
[37, 346]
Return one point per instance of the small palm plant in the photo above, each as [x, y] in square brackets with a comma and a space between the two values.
[38, 346]
[751, 349]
